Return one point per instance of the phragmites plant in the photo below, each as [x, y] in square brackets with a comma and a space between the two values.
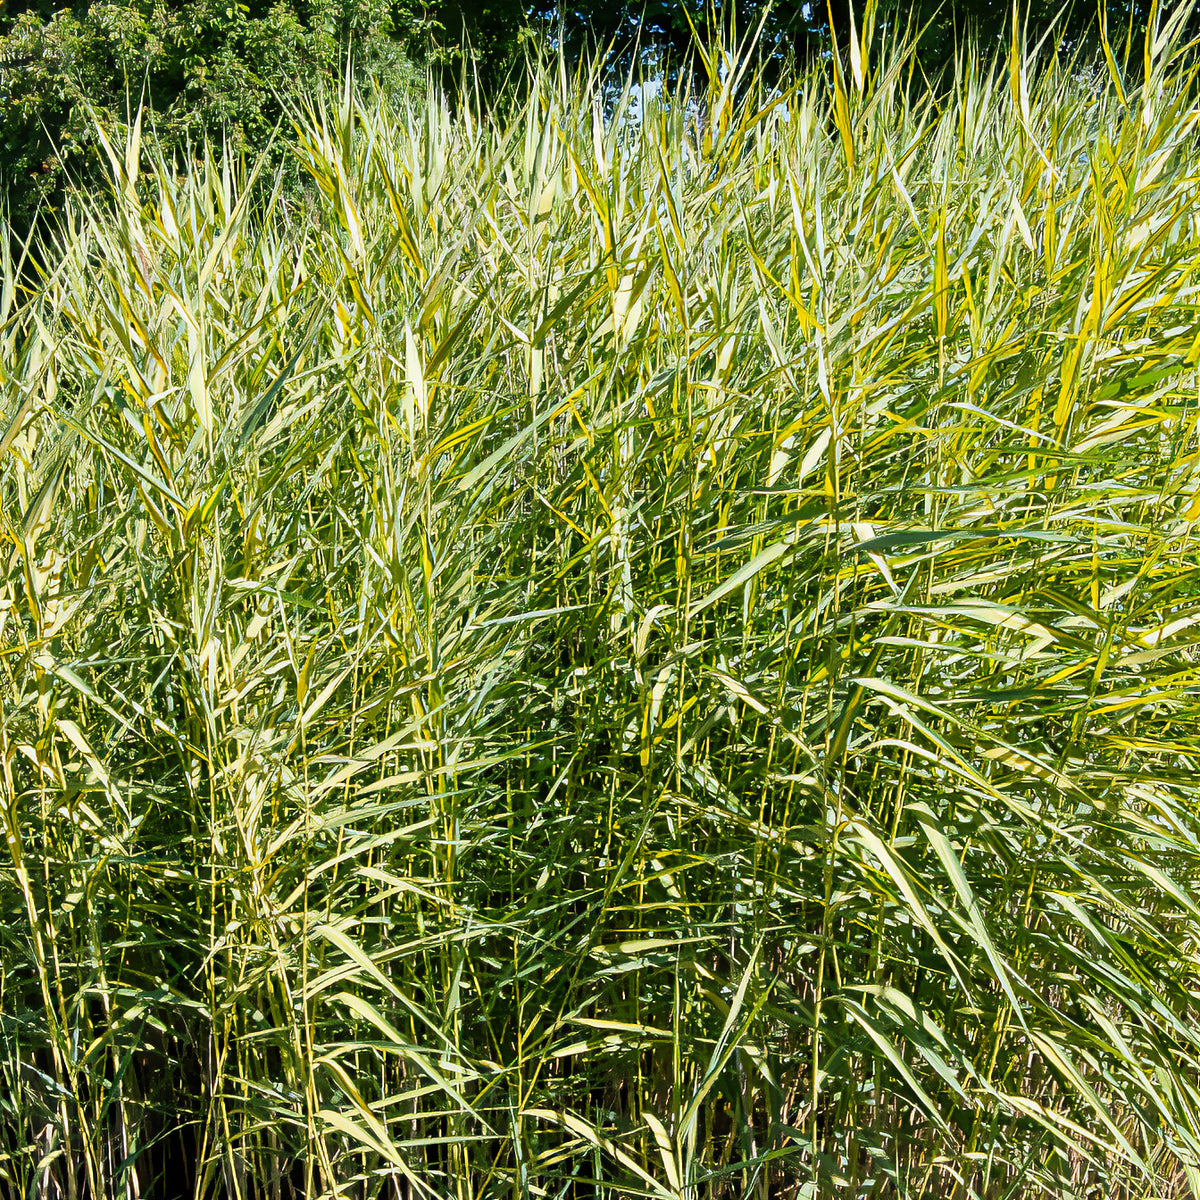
[646, 646]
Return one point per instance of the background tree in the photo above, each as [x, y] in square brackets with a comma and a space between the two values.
[808, 29]
[215, 68]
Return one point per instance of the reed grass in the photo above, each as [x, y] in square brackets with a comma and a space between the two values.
[615, 657]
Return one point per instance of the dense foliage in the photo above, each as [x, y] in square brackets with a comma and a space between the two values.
[619, 654]
[205, 69]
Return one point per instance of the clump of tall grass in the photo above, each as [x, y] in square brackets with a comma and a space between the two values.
[623, 658]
